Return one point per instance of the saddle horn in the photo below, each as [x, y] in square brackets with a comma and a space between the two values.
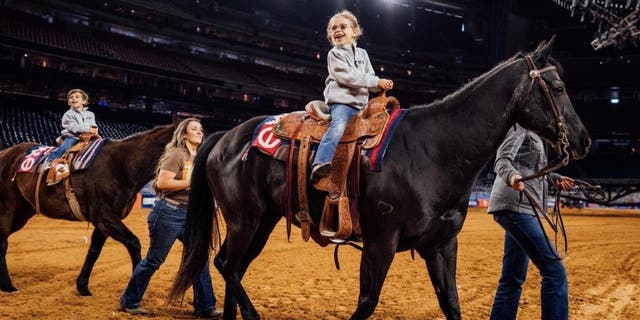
[392, 103]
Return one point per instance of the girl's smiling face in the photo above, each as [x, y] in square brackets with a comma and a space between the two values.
[341, 31]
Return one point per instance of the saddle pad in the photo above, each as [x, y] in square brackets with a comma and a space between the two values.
[37, 154]
[263, 138]
[32, 158]
[377, 153]
[83, 160]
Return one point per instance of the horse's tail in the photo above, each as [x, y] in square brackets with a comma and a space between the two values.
[198, 224]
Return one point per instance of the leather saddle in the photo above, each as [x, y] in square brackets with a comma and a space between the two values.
[364, 131]
[60, 167]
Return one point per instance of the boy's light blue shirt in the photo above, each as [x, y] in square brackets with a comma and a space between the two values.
[75, 122]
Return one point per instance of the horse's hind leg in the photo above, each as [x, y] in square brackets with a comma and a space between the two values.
[114, 228]
[441, 264]
[233, 262]
[97, 242]
[230, 302]
[111, 226]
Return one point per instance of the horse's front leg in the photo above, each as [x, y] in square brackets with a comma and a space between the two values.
[9, 223]
[97, 242]
[5, 280]
[377, 256]
[441, 263]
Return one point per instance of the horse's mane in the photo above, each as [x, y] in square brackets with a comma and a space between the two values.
[466, 90]
[137, 135]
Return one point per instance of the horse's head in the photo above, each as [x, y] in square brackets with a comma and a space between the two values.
[545, 107]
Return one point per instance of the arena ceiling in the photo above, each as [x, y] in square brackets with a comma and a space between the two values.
[482, 31]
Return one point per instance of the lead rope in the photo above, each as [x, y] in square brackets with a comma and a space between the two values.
[592, 193]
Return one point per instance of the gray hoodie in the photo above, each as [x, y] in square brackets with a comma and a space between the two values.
[351, 76]
[75, 122]
[522, 152]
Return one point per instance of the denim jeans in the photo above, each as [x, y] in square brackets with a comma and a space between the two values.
[166, 224]
[340, 115]
[59, 151]
[524, 240]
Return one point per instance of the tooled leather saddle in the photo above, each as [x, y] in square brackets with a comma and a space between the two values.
[340, 218]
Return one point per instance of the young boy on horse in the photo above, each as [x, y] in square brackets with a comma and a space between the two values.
[351, 76]
[75, 121]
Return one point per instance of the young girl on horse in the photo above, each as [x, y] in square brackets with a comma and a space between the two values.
[350, 79]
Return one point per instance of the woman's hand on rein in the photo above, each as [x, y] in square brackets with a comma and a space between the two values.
[564, 183]
[517, 186]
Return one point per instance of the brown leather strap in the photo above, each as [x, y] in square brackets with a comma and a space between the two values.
[73, 201]
[37, 190]
[289, 202]
[556, 226]
[303, 206]
[70, 195]
[353, 187]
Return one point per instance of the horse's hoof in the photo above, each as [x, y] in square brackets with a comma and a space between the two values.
[84, 292]
[9, 288]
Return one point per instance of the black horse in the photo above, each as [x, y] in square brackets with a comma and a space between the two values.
[418, 201]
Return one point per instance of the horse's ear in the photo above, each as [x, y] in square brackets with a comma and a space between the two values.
[175, 119]
[540, 45]
[543, 51]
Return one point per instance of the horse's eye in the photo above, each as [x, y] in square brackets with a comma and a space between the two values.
[558, 86]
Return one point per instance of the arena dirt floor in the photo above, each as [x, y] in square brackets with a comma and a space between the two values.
[298, 280]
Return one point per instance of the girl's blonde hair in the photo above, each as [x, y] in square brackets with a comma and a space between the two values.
[357, 30]
[177, 141]
[84, 95]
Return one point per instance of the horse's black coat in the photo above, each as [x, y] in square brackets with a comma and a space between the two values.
[419, 200]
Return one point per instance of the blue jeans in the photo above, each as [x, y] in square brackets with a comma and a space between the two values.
[525, 240]
[340, 115]
[67, 143]
[166, 224]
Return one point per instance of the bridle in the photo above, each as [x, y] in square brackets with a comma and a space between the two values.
[562, 141]
[555, 222]
[592, 193]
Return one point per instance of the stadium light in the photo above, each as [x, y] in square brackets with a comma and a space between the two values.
[615, 95]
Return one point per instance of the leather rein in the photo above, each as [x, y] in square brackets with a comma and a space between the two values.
[555, 221]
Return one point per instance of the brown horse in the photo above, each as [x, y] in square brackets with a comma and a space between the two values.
[106, 192]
